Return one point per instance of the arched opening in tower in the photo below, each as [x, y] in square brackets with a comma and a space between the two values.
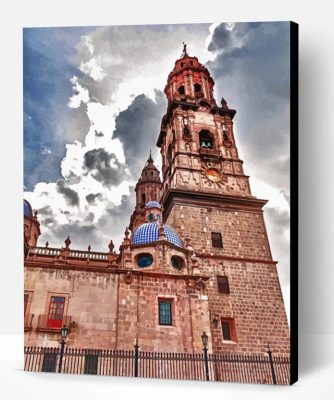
[205, 139]
[197, 87]
[181, 89]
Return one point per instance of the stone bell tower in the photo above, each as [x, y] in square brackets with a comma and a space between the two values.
[147, 189]
[197, 141]
[207, 198]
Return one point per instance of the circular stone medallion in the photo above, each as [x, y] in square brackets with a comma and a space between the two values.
[213, 174]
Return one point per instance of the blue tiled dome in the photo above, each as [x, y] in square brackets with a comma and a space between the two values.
[149, 232]
[27, 210]
[152, 204]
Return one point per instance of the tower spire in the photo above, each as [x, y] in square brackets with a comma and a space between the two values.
[150, 159]
[147, 189]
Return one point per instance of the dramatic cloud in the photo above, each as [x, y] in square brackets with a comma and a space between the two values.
[105, 167]
[70, 195]
[138, 128]
[48, 67]
[91, 197]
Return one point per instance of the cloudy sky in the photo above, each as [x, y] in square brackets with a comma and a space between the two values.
[93, 102]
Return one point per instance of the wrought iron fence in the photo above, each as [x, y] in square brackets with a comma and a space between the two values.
[221, 367]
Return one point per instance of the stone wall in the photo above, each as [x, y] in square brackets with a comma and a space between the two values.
[90, 301]
[255, 300]
[243, 232]
[138, 312]
[112, 309]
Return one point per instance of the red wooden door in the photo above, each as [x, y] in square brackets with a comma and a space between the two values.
[56, 312]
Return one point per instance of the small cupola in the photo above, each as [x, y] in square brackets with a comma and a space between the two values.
[153, 211]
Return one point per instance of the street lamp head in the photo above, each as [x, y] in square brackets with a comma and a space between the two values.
[64, 331]
[205, 339]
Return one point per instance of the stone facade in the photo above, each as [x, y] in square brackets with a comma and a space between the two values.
[111, 300]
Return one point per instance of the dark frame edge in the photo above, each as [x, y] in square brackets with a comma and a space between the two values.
[294, 62]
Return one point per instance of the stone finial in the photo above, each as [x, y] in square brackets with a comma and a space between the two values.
[89, 248]
[224, 103]
[111, 246]
[47, 244]
[161, 231]
[35, 214]
[126, 240]
[67, 242]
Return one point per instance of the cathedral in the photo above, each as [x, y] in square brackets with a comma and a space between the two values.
[195, 256]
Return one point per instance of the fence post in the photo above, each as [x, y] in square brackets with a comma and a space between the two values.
[271, 365]
[206, 361]
[136, 346]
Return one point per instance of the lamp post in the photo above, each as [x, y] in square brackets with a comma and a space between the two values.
[64, 331]
[205, 339]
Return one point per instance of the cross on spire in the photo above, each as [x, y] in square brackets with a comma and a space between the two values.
[184, 54]
[150, 159]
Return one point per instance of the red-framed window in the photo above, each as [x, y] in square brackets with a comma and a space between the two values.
[229, 331]
[56, 312]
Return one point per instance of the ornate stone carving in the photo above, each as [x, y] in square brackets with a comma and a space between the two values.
[128, 278]
[212, 175]
[201, 286]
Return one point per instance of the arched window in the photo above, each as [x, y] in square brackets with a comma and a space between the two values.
[197, 87]
[150, 217]
[143, 198]
[205, 140]
[181, 89]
